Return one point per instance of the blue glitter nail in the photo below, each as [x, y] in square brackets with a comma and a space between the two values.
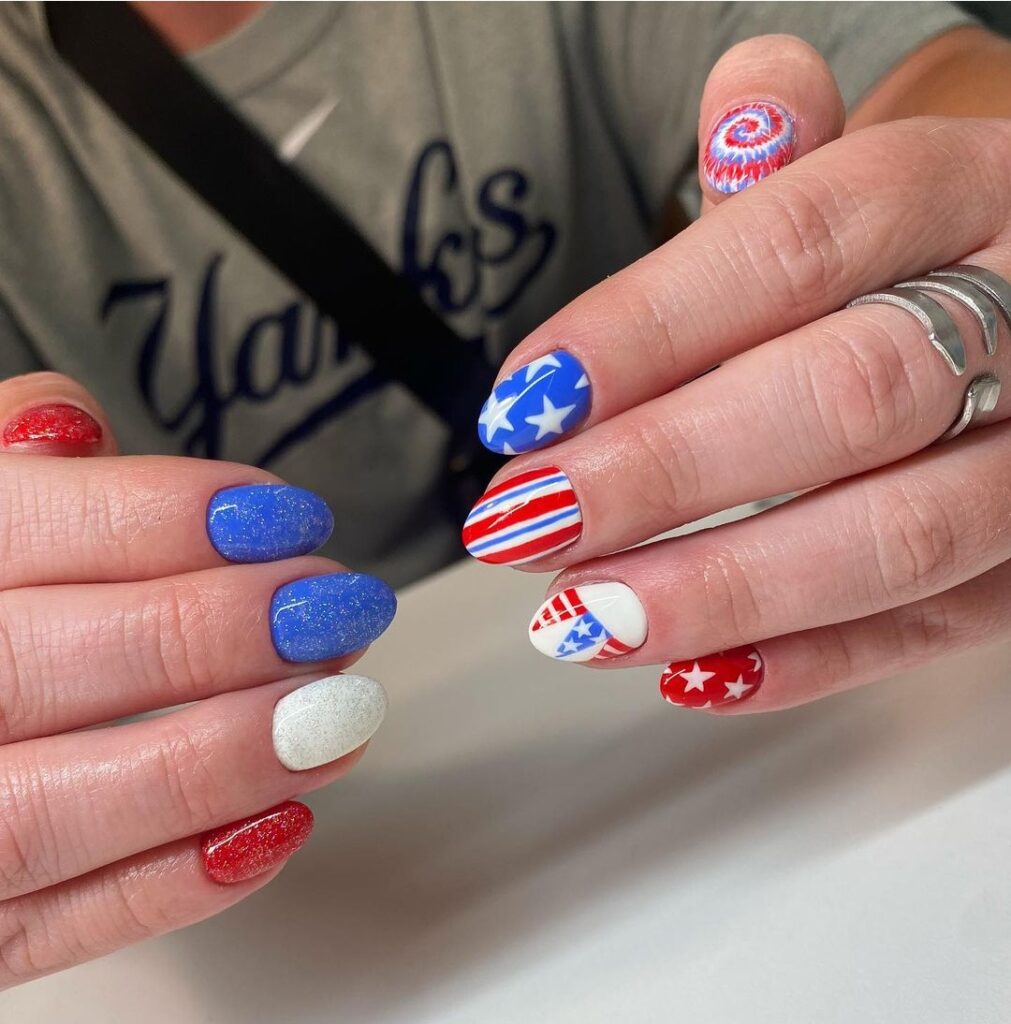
[536, 405]
[265, 522]
[322, 617]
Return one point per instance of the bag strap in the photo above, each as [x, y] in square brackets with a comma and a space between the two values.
[280, 212]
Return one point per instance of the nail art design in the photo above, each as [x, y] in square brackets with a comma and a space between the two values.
[716, 679]
[536, 405]
[254, 845]
[327, 719]
[267, 522]
[322, 617]
[524, 518]
[749, 143]
[55, 425]
[592, 622]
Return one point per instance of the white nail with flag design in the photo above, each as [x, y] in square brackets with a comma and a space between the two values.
[591, 622]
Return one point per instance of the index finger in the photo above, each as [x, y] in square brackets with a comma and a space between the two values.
[837, 224]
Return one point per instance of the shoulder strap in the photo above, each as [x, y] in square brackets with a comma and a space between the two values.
[282, 214]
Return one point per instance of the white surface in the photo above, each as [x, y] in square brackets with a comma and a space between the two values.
[529, 842]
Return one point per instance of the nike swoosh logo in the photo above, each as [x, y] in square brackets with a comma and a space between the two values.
[294, 141]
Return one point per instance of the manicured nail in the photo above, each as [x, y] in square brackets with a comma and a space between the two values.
[592, 622]
[716, 679]
[322, 617]
[748, 144]
[63, 425]
[254, 845]
[265, 522]
[524, 518]
[327, 719]
[536, 405]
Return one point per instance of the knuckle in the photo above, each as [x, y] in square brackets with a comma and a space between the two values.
[669, 482]
[179, 624]
[134, 913]
[917, 542]
[30, 856]
[728, 596]
[184, 771]
[807, 224]
[16, 715]
[19, 961]
[864, 397]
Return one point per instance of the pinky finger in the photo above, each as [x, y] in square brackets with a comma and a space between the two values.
[788, 670]
[147, 895]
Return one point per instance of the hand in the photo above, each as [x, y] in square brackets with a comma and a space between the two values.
[117, 597]
[899, 551]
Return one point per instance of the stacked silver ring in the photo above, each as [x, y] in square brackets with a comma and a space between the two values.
[983, 293]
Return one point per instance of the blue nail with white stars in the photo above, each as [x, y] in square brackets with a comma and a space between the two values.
[536, 405]
[267, 522]
[323, 617]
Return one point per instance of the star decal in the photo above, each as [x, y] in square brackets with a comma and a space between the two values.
[495, 415]
[533, 367]
[739, 689]
[568, 647]
[583, 382]
[582, 628]
[695, 680]
[549, 420]
[756, 659]
[507, 449]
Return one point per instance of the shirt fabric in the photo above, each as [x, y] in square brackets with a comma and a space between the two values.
[502, 157]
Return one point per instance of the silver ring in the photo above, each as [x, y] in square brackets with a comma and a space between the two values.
[992, 285]
[971, 296]
[941, 329]
[980, 397]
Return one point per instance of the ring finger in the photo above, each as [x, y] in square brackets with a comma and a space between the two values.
[72, 803]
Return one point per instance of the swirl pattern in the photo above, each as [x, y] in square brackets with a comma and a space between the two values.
[749, 143]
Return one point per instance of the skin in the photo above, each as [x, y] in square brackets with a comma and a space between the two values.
[86, 868]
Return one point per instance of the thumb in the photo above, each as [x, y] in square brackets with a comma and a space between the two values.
[49, 414]
[767, 102]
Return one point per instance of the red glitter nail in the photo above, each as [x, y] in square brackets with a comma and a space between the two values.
[64, 425]
[249, 847]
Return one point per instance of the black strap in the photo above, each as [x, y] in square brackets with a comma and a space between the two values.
[283, 215]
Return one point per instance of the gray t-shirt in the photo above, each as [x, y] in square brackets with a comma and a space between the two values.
[503, 157]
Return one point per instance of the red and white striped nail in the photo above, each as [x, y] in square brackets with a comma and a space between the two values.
[525, 518]
[591, 622]
[716, 679]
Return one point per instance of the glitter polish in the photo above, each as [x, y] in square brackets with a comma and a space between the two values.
[267, 522]
[322, 617]
[324, 720]
[58, 425]
[254, 845]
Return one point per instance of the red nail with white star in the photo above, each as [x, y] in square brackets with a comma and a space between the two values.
[717, 679]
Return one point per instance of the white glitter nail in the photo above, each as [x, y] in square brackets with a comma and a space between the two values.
[327, 719]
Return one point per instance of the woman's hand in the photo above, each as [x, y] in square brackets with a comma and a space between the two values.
[900, 551]
[118, 595]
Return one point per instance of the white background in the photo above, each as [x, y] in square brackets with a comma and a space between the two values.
[530, 842]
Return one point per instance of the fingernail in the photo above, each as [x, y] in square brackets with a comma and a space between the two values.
[327, 719]
[524, 518]
[254, 845]
[322, 617]
[266, 522]
[536, 405]
[592, 622]
[63, 425]
[716, 679]
[748, 144]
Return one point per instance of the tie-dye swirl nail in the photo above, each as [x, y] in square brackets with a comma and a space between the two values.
[748, 144]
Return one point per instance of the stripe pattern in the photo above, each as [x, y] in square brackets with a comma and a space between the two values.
[589, 622]
[524, 518]
[587, 631]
